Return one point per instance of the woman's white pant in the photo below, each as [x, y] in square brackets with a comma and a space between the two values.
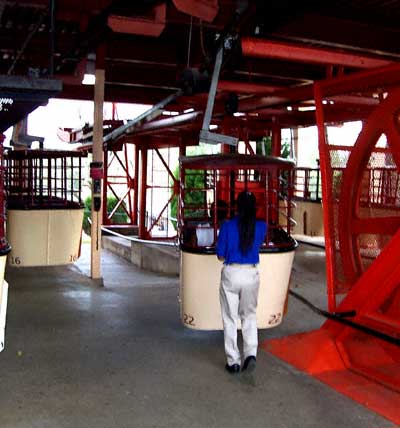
[238, 297]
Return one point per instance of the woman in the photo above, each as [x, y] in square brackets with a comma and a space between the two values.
[238, 246]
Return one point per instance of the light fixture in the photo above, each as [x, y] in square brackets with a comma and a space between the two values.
[89, 78]
[306, 108]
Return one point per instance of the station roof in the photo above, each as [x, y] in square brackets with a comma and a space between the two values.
[21, 95]
[281, 48]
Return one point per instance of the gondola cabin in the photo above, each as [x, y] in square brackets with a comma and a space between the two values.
[44, 206]
[209, 187]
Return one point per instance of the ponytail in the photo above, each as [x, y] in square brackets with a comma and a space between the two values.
[246, 203]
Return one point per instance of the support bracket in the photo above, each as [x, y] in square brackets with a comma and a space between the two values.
[206, 136]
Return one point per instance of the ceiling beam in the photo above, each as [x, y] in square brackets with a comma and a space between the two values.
[354, 36]
[284, 97]
[279, 70]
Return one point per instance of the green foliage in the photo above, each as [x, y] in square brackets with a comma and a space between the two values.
[120, 216]
[194, 179]
[264, 147]
[174, 202]
[285, 149]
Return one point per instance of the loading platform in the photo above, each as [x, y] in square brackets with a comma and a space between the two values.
[108, 356]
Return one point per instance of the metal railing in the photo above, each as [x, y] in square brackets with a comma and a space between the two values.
[43, 178]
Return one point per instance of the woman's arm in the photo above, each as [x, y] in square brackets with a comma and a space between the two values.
[222, 242]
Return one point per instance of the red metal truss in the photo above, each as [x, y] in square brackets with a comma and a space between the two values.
[156, 188]
[157, 217]
[119, 173]
[361, 200]
[368, 239]
[349, 226]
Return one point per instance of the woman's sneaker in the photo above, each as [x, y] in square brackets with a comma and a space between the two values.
[233, 369]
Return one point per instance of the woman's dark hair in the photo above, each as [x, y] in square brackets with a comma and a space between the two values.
[246, 206]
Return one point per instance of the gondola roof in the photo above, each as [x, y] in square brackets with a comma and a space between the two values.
[234, 161]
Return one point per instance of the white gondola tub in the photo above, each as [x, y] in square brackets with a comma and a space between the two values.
[44, 207]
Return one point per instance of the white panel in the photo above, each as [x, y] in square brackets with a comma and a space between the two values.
[65, 227]
[200, 278]
[27, 233]
[43, 237]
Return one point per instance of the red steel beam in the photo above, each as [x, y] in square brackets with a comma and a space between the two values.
[305, 93]
[268, 49]
[355, 100]
[379, 79]
[246, 87]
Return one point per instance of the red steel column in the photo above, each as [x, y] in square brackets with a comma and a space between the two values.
[326, 184]
[143, 188]
[130, 183]
[276, 139]
[182, 150]
[105, 187]
[276, 151]
[136, 186]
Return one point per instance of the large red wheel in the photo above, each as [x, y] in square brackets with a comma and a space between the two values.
[352, 219]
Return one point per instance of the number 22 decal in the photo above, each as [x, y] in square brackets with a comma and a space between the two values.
[275, 318]
[188, 319]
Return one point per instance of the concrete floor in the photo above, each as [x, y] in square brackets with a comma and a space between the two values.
[82, 356]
